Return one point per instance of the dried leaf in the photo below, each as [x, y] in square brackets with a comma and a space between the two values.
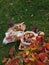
[11, 52]
[13, 61]
[26, 60]
[39, 63]
[4, 60]
[47, 45]
[42, 56]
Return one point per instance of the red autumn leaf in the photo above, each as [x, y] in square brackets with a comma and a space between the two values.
[34, 46]
[39, 63]
[4, 60]
[47, 63]
[26, 60]
[36, 55]
[13, 61]
[47, 45]
[39, 39]
[22, 54]
[8, 62]
[32, 59]
[43, 49]
[11, 52]
[42, 56]
[31, 45]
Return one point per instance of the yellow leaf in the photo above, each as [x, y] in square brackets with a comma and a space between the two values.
[27, 52]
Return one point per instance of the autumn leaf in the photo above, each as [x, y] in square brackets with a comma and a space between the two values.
[11, 52]
[13, 61]
[27, 52]
[39, 63]
[4, 60]
[32, 59]
[33, 46]
[26, 60]
[36, 55]
[43, 49]
[47, 45]
[39, 39]
[42, 56]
